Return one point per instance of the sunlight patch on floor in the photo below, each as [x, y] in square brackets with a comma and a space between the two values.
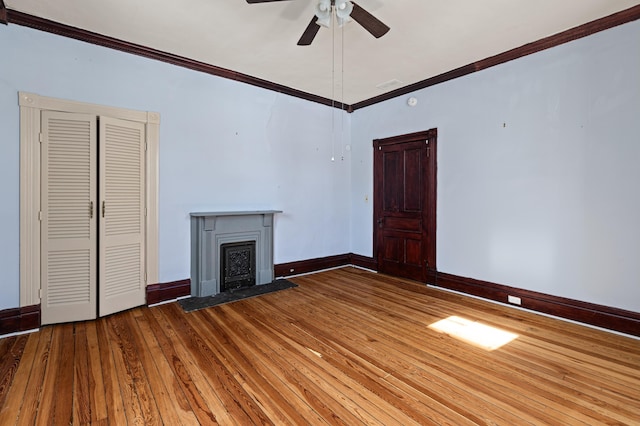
[475, 333]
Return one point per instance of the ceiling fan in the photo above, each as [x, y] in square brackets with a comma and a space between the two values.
[344, 9]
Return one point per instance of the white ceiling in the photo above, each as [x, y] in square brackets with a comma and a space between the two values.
[427, 37]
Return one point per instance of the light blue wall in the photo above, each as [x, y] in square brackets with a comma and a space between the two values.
[223, 146]
[538, 169]
[547, 202]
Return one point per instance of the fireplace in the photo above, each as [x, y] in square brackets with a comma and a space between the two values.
[213, 232]
[238, 262]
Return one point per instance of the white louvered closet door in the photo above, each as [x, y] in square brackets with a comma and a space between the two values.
[68, 232]
[122, 215]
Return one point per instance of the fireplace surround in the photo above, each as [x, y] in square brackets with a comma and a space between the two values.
[211, 230]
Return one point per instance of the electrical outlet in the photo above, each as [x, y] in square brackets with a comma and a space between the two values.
[515, 300]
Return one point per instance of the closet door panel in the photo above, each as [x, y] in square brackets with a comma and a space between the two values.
[68, 203]
[122, 223]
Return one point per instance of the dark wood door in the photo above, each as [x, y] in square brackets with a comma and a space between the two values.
[405, 205]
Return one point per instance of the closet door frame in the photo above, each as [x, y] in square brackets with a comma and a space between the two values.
[31, 107]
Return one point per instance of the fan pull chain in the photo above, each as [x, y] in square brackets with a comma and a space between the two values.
[342, 101]
[333, 86]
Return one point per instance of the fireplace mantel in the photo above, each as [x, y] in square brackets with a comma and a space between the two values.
[209, 230]
[238, 213]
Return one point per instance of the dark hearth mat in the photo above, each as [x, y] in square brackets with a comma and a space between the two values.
[194, 303]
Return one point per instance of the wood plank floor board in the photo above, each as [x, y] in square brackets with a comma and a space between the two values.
[286, 362]
[587, 379]
[12, 401]
[322, 396]
[561, 334]
[113, 396]
[601, 359]
[163, 380]
[262, 383]
[132, 350]
[360, 398]
[314, 406]
[63, 411]
[346, 347]
[549, 395]
[318, 332]
[52, 405]
[574, 385]
[497, 372]
[402, 361]
[210, 408]
[134, 412]
[172, 354]
[10, 354]
[156, 384]
[82, 377]
[540, 325]
[370, 376]
[5, 346]
[30, 406]
[97, 393]
[235, 401]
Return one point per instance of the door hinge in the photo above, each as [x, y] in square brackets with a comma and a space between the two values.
[40, 137]
[145, 212]
[428, 151]
[40, 293]
[40, 215]
[145, 278]
[145, 147]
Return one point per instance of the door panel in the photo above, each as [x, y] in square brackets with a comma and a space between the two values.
[403, 223]
[392, 249]
[404, 205]
[68, 233]
[413, 174]
[413, 251]
[122, 224]
[392, 187]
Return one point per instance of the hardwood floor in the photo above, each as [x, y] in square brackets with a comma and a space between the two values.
[346, 347]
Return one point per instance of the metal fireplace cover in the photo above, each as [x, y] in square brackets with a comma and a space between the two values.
[238, 262]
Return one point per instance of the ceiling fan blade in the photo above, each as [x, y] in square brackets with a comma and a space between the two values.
[262, 1]
[310, 33]
[368, 21]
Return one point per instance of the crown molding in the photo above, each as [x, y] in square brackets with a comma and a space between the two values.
[614, 20]
[24, 19]
[3, 13]
[27, 20]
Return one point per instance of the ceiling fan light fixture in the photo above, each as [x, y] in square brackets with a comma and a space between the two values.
[323, 13]
[343, 11]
